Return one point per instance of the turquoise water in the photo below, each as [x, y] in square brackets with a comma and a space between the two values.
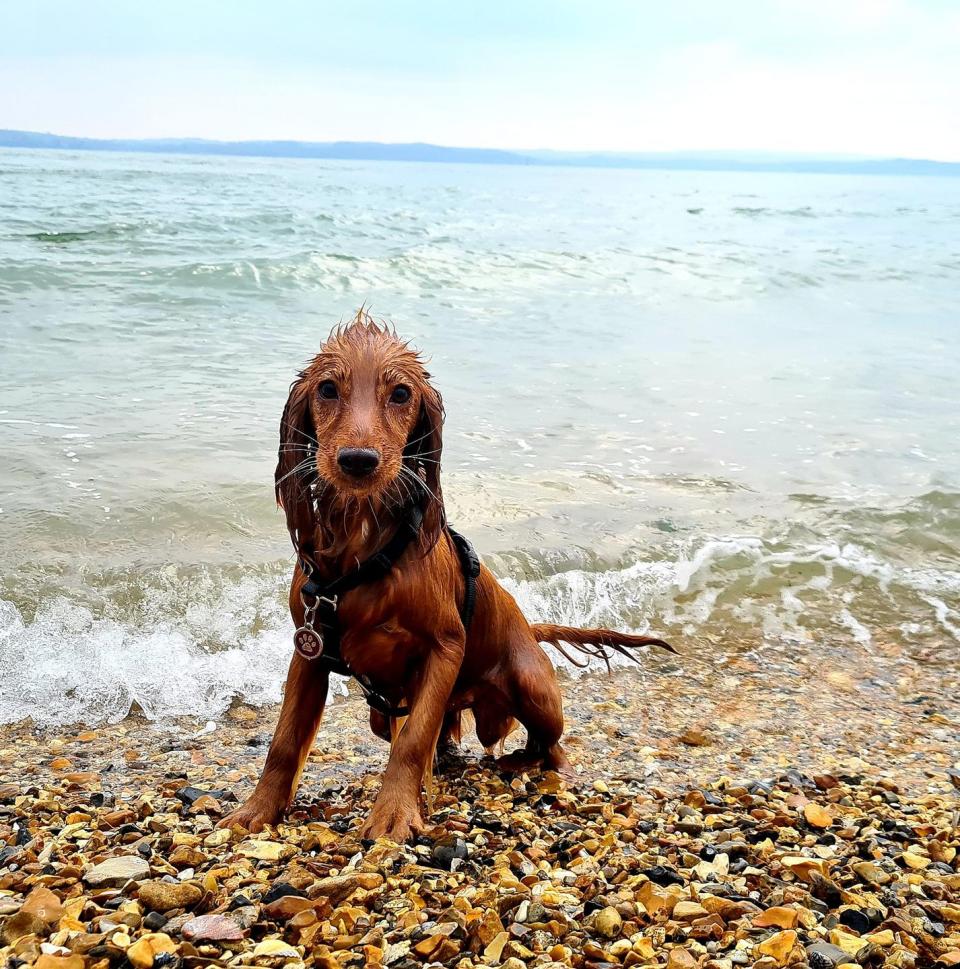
[725, 405]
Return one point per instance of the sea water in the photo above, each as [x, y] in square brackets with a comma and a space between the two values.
[720, 406]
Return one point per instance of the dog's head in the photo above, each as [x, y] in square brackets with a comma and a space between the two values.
[362, 422]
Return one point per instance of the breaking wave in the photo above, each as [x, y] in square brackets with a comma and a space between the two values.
[195, 644]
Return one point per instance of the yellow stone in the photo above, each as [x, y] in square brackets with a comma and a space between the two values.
[779, 916]
[680, 959]
[942, 852]
[804, 867]
[851, 944]
[264, 850]
[644, 948]
[488, 927]
[74, 906]
[43, 904]
[608, 922]
[320, 836]
[817, 815]
[883, 938]
[779, 946]
[275, 948]
[73, 961]
[142, 953]
[650, 898]
[688, 911]
[839, 679]
[494, 950]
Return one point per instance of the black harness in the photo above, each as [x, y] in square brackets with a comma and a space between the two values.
[318, 639]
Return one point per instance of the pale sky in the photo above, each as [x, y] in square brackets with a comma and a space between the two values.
[862, 77]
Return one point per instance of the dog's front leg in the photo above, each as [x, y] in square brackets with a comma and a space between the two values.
[396, 812]
[303, 701]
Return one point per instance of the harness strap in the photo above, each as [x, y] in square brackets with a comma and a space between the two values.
[326, 598]
[470, 566]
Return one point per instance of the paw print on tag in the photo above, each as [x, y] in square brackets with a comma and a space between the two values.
[308, 642]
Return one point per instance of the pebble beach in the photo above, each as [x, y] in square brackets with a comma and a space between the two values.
[767, 810]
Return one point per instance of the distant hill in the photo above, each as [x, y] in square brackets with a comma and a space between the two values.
[356, 150]
[419, 152]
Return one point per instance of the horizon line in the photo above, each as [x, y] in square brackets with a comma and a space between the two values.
[701, 159]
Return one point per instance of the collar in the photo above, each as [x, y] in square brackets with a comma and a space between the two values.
[377, 567]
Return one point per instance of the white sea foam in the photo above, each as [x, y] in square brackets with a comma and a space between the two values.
[744, 579]
[192, 648]
[68, 665]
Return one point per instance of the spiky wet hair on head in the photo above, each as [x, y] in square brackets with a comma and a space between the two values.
[363, 333]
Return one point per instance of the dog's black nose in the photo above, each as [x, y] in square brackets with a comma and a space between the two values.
[358, 461]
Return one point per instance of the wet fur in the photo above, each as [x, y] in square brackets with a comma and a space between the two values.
[403, 632]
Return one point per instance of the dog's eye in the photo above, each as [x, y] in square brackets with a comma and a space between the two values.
[400, 395]
[328, 390]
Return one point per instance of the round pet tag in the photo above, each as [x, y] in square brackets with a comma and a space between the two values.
[308, 642]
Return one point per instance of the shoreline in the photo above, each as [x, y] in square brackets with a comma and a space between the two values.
[671, 719]
[760, 810]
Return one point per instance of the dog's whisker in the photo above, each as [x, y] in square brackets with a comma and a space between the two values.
[420, 482]
[417, 440]
[298, 469]
[298, 430]
[374, 513]
[407, 493]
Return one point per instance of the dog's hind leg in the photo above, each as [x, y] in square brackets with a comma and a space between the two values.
[493, 718]
[539, 707]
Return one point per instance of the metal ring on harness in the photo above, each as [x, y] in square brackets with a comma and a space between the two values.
[331, 602]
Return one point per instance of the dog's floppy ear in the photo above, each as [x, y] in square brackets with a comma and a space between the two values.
[425, 448]
[296, 467]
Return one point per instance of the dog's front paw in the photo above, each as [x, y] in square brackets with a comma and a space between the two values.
[395, 820]
[253, 815]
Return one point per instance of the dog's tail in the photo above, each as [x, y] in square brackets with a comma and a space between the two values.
[594, 643]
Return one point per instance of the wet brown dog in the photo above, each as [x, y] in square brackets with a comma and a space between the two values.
[360, 439]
